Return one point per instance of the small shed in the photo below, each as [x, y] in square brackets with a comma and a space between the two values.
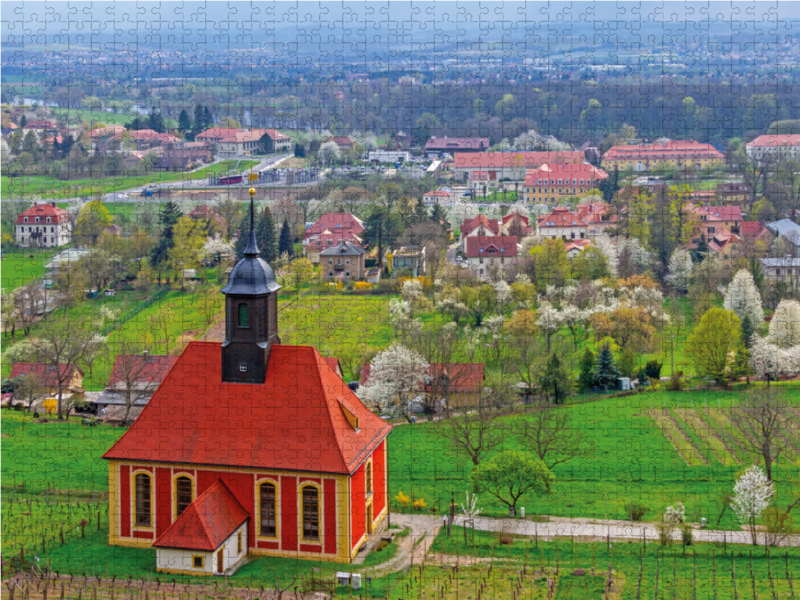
[624, 384]
[209, 537]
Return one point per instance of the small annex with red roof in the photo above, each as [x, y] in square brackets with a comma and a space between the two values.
[274, 425]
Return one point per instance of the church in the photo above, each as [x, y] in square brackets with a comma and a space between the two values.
[249, 448]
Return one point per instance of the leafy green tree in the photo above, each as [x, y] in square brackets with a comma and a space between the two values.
[381, 229]
[420, 211]
[189, 236]
[266, 236]
[167, 217]
[184, 124]
[550, 263]
[610, 185]
[714, 344]
[606, 372]
[586, 378]
[155, 121]
[285, 243]
[747, 331]
[590, 264]
[556, 381]
[510, 475]
[93, 220]
[241, 237]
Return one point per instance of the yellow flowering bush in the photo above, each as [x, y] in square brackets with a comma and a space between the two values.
[402, 499]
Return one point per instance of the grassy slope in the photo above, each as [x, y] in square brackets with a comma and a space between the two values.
[18, 269]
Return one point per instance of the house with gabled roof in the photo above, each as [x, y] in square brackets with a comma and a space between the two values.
[268, 433]
[480, 226]
[486, 255]
[562, 223]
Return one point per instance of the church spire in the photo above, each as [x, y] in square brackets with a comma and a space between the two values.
[251, 251]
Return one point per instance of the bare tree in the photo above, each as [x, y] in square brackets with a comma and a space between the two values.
[62, 346]
[478, 430]
[28, 301]
[765, 418]
[229, 210]
[29, 387]
[549, 432]
[137, 374]
[445, 378]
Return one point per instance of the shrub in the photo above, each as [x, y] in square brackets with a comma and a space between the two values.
[419, 504]
[19, 406]
[652, 370]
[635, 510]
[402, 499]
[687, 535]
[362, 286]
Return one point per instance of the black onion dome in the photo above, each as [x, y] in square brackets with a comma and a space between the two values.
[252, 276]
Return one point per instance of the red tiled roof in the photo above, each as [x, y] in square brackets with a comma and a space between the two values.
[149, 134]
[561, 217]
[771, 141]
[486, 160]
[439, 194]
[464, 377]
[335, 222]
[494, 246]
[457, 143]
[292, 421]
[57, 215]
[472, 224]
[149, 369]
[341, 141]
[47, 373]
[227, 135]
[570, 172]
[510, 216]
[333, 363]
[106, 131]
[680, 149]
[321, 240]
[207, 522]
[751, 228]
[720, 213]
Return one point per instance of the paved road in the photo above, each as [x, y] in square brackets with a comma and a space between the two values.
[608, 529]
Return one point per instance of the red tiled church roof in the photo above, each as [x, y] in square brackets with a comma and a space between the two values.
[207, 522]
[292, 421]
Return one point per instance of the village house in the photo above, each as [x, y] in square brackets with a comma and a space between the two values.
[736, 192]
[563, 224]
[344, 142]
[516, 224]
[144, 139]
[598, 217]
[274, 455]
[328, 231]
[344, 262]
[43, 226]
[492, 255]
[774, 147]
[437, 147]
[452, 386]
[480, 226]
[677, 154]
[143, 373]
[785, 270]
[715, 218]
[48, 376]
[437, 196]
[411, 259]
[787, 229]
[236, 143]
[509, 166]
[550, 184]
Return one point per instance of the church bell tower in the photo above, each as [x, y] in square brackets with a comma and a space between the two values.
[251, 313]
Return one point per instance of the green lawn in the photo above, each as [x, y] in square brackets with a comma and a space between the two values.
[630, 459]
[18, 268]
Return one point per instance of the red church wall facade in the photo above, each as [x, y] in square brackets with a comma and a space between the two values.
[357, 504]
[334, 507]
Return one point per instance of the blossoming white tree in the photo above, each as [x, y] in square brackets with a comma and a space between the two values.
[396, 375]
[680, 269]
[743, 298]
[402, 317]
[752, 495]
[784, 328]
[549, 321]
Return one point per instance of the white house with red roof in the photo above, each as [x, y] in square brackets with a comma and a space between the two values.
[486, 256]
[234, 143]
[249, 433]
[563, 224]
[436, 196]
[330, 230]
[43, 226]
[71, 376]
[516, 224]
[774, 147]
[148, 138]
[480, 226]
